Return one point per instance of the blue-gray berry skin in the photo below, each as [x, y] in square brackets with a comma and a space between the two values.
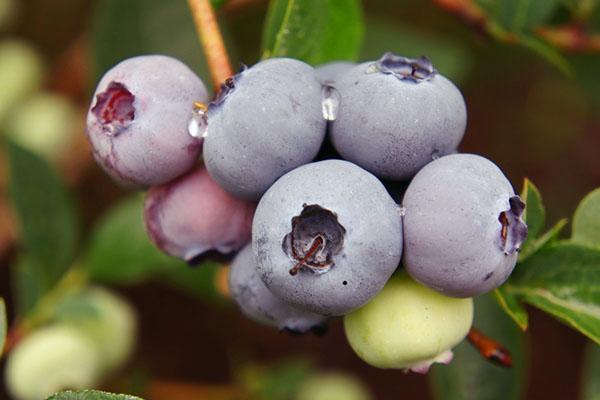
[259, 304]
[327, 237]
[330, 72]
[463, 226]
[396, 115]
[138, 120]
[267, 122]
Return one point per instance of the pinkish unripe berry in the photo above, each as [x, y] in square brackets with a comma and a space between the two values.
[192, 215]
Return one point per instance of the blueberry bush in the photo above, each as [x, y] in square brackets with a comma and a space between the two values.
[338, 190]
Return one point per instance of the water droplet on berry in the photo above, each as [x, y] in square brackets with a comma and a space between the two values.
[330, 102]
[198, 124]
[402, 211]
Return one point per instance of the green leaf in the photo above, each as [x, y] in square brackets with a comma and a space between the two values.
[90, 395]
[48, 222]
[586, 221]
[590, 383]
[469, 375]
[26, 287]
[535, 213]
[198, 281]
[562, 279]
[279, 381]
[120, 250]
[449, 55]
[551, 236]
[3, 324]
[547, 52]
[510, 304]
[122, 29]
[314, 31]
[519, 15]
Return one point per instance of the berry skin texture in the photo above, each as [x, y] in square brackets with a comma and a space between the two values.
[260, 305]
[396, 115]
[408, 326]
[49, 360]
[266, 123]
[333, 386]
[192, 215]
[330, 72]
[462, 226]
[327, 236]
[112, 325]
[138, 120]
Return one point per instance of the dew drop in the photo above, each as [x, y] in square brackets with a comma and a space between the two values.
[198, 124]
[330, 102]
[402, 211]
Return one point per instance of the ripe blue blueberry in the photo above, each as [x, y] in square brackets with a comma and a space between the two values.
[266, 122]
[396, 115]
[463, 226]
[259, 304]
[138, 121]
[327, 236]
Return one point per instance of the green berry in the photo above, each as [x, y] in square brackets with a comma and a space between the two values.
[110, 322]
[408, 326]
[44, 124]
[21, 73]
[49, 360]
[333, 386]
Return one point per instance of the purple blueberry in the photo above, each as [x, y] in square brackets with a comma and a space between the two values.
[138, 120]
[192, 215]
[330, 72]
[463, 226]
[266, 122]
[327, 236]
[396, 115]
[259, 304]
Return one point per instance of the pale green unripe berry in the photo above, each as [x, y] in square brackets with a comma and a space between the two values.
[333, 386]
[44, 124]
[408, 326]
[21, 73]
[51, 359]
[111, 325]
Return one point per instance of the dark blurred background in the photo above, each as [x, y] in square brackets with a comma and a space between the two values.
[524, 113]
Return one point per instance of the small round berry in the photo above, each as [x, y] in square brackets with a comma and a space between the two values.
[396, 115]
[463, 226]
[21, 73]
[192, 215]
[45, 124]
[333, 386]
[408, 326]
[138, 121]
[266, 122]
[259, 304]
[327, 236]
[111, 324]
[52, 359]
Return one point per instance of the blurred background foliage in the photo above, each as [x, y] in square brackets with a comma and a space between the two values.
[533, 95]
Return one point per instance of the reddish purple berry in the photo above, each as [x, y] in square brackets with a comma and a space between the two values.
[192, 215]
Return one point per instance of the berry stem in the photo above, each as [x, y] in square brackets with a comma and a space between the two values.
[490, 349]
[211, 39]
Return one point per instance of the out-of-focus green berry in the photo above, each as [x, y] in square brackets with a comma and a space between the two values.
[51, 359]
[21, 73]
[333, 386]
[110, 322]
[408, 326]
[44, 124]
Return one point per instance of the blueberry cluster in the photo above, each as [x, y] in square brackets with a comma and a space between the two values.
[324, 152]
